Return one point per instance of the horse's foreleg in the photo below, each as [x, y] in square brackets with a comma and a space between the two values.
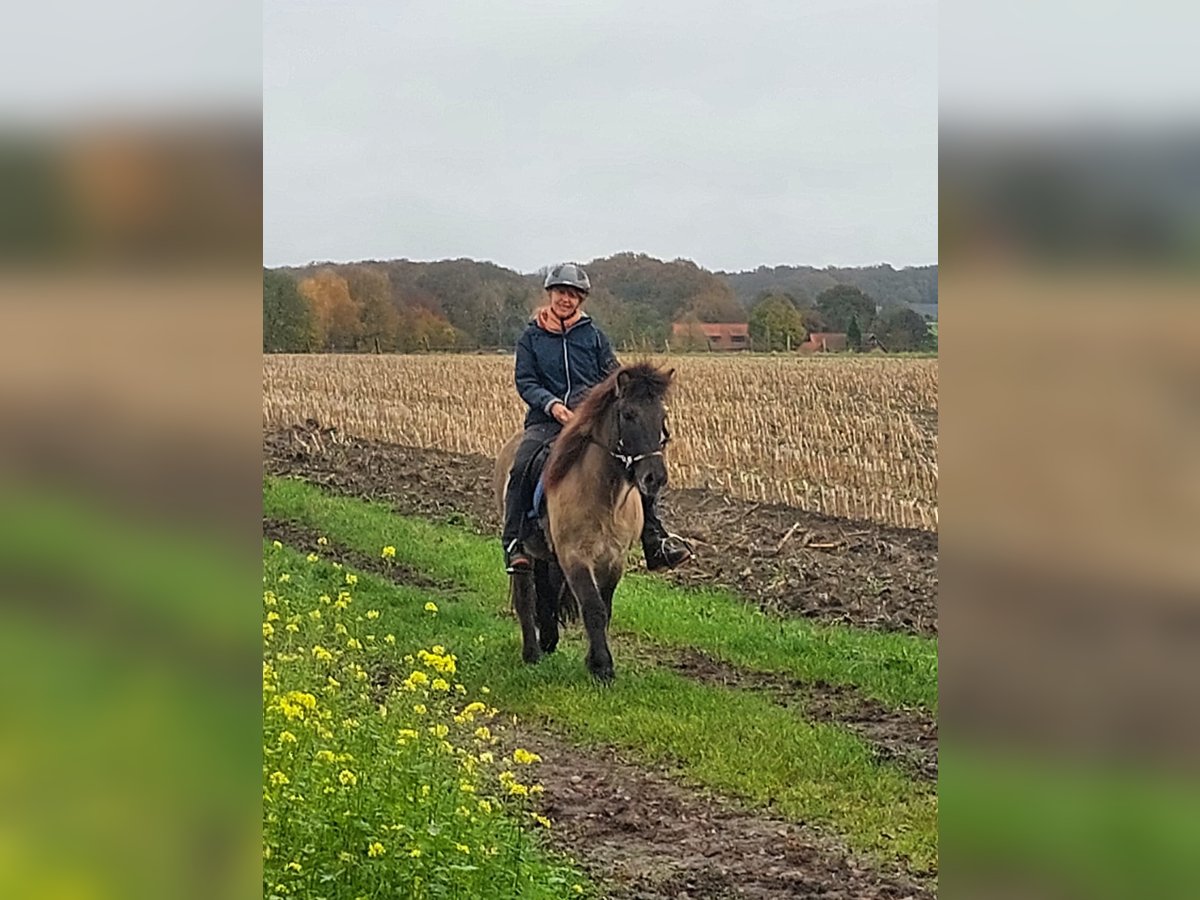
[595, 620]
[547, 604]
[525, 603]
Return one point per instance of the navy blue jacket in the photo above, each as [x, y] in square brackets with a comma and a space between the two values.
[560, 367]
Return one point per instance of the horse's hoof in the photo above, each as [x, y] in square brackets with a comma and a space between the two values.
[603, 674]
[549, 646]
[531, 655]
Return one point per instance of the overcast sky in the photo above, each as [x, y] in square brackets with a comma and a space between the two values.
[732, 134]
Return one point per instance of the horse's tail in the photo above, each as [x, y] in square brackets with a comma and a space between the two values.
[554, 597]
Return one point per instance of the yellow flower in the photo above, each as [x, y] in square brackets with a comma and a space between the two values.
[466, 787]
[348, 778]
[439, 730]
[375, 849]
[431, 607]
[286, 737]
[345, 857]
[321, 653]
[440, 685]
[314, 614]
[351, 578]
[472, 708]
[415, 852]
[278, 779]
[354, 644]
[268, 629]
[418, 678]
[272, 616]
[323, 541]
[284, 578]
[389, 552]
[578, 888]
[340, 629]
[324, 598]
[391, 639]
[269, 598]
[325, 756]
[293, 628]
[404, 735]
[485, 806]
[524, 757]
[483, 733]
[294, 867]
[372, 614]
[419, 709]
[486, 757]
[541, 820]
[460, 689]
[312, 557]
[277, 545]
[485, 690]
[462, 848]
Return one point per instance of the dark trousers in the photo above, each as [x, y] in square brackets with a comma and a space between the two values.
[520, 489]
[520, 492]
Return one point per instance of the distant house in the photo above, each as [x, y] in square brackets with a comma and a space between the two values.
[824, 342]
[712, 335]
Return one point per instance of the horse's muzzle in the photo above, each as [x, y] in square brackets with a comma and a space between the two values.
[650, 475]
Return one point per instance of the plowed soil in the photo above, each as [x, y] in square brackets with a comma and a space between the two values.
[782, 559]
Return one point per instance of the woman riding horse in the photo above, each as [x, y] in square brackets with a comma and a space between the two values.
[560, 356]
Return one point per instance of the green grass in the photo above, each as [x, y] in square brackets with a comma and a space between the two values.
[736, 742]
[896, 669]
[1083, 829]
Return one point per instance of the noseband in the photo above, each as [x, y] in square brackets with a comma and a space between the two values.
[630, 460]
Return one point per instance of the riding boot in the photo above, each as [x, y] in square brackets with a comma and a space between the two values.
[516, 504]
[663, 550]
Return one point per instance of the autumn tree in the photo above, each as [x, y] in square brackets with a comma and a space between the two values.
[335, 312]
[901, 329]
[839, 304]
[776, 324]
[379, 319]
[287, 318]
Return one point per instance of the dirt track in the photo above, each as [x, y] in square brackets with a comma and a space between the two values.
[782, 559]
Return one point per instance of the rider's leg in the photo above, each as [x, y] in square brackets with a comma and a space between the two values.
[663, 550]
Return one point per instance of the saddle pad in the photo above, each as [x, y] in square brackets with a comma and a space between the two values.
[539, 497]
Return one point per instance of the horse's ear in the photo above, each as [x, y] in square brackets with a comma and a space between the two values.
[622, 383]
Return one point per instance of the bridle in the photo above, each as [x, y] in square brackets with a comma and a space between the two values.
[629, 460]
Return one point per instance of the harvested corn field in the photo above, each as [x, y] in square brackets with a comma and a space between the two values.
[853, 437]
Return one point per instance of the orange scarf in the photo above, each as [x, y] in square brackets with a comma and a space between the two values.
[548, 321]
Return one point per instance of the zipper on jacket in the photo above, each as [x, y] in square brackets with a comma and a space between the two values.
[567, 366]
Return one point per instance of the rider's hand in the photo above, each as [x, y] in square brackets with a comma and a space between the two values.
[560, 412]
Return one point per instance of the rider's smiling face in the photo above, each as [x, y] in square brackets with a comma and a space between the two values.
[565, 301]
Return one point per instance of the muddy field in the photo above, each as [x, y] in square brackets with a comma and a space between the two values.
[780, 558]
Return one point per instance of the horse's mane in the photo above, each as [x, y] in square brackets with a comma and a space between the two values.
[643, 381]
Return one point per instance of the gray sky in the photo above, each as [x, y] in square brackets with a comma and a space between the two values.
[732, 134]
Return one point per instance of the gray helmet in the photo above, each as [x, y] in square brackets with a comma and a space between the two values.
[568, 275]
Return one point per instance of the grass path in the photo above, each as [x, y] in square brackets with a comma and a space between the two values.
[736, 742]
[898, 670]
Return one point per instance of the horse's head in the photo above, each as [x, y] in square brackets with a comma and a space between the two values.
[637, 426]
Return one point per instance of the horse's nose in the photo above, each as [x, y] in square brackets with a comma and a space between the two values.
[653, 481]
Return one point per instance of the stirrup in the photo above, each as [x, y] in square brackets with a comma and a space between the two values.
[516, 560]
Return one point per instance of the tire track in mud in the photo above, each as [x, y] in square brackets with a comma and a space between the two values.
[784, 560]
[907, 738]
[644, 835]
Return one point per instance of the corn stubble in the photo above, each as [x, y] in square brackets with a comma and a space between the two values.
[854, 437]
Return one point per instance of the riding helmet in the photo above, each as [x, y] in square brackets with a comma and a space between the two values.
[568, 275]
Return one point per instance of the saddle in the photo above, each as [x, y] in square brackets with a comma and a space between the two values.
[533, 475]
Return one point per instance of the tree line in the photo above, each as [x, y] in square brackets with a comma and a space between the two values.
[405, 306]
